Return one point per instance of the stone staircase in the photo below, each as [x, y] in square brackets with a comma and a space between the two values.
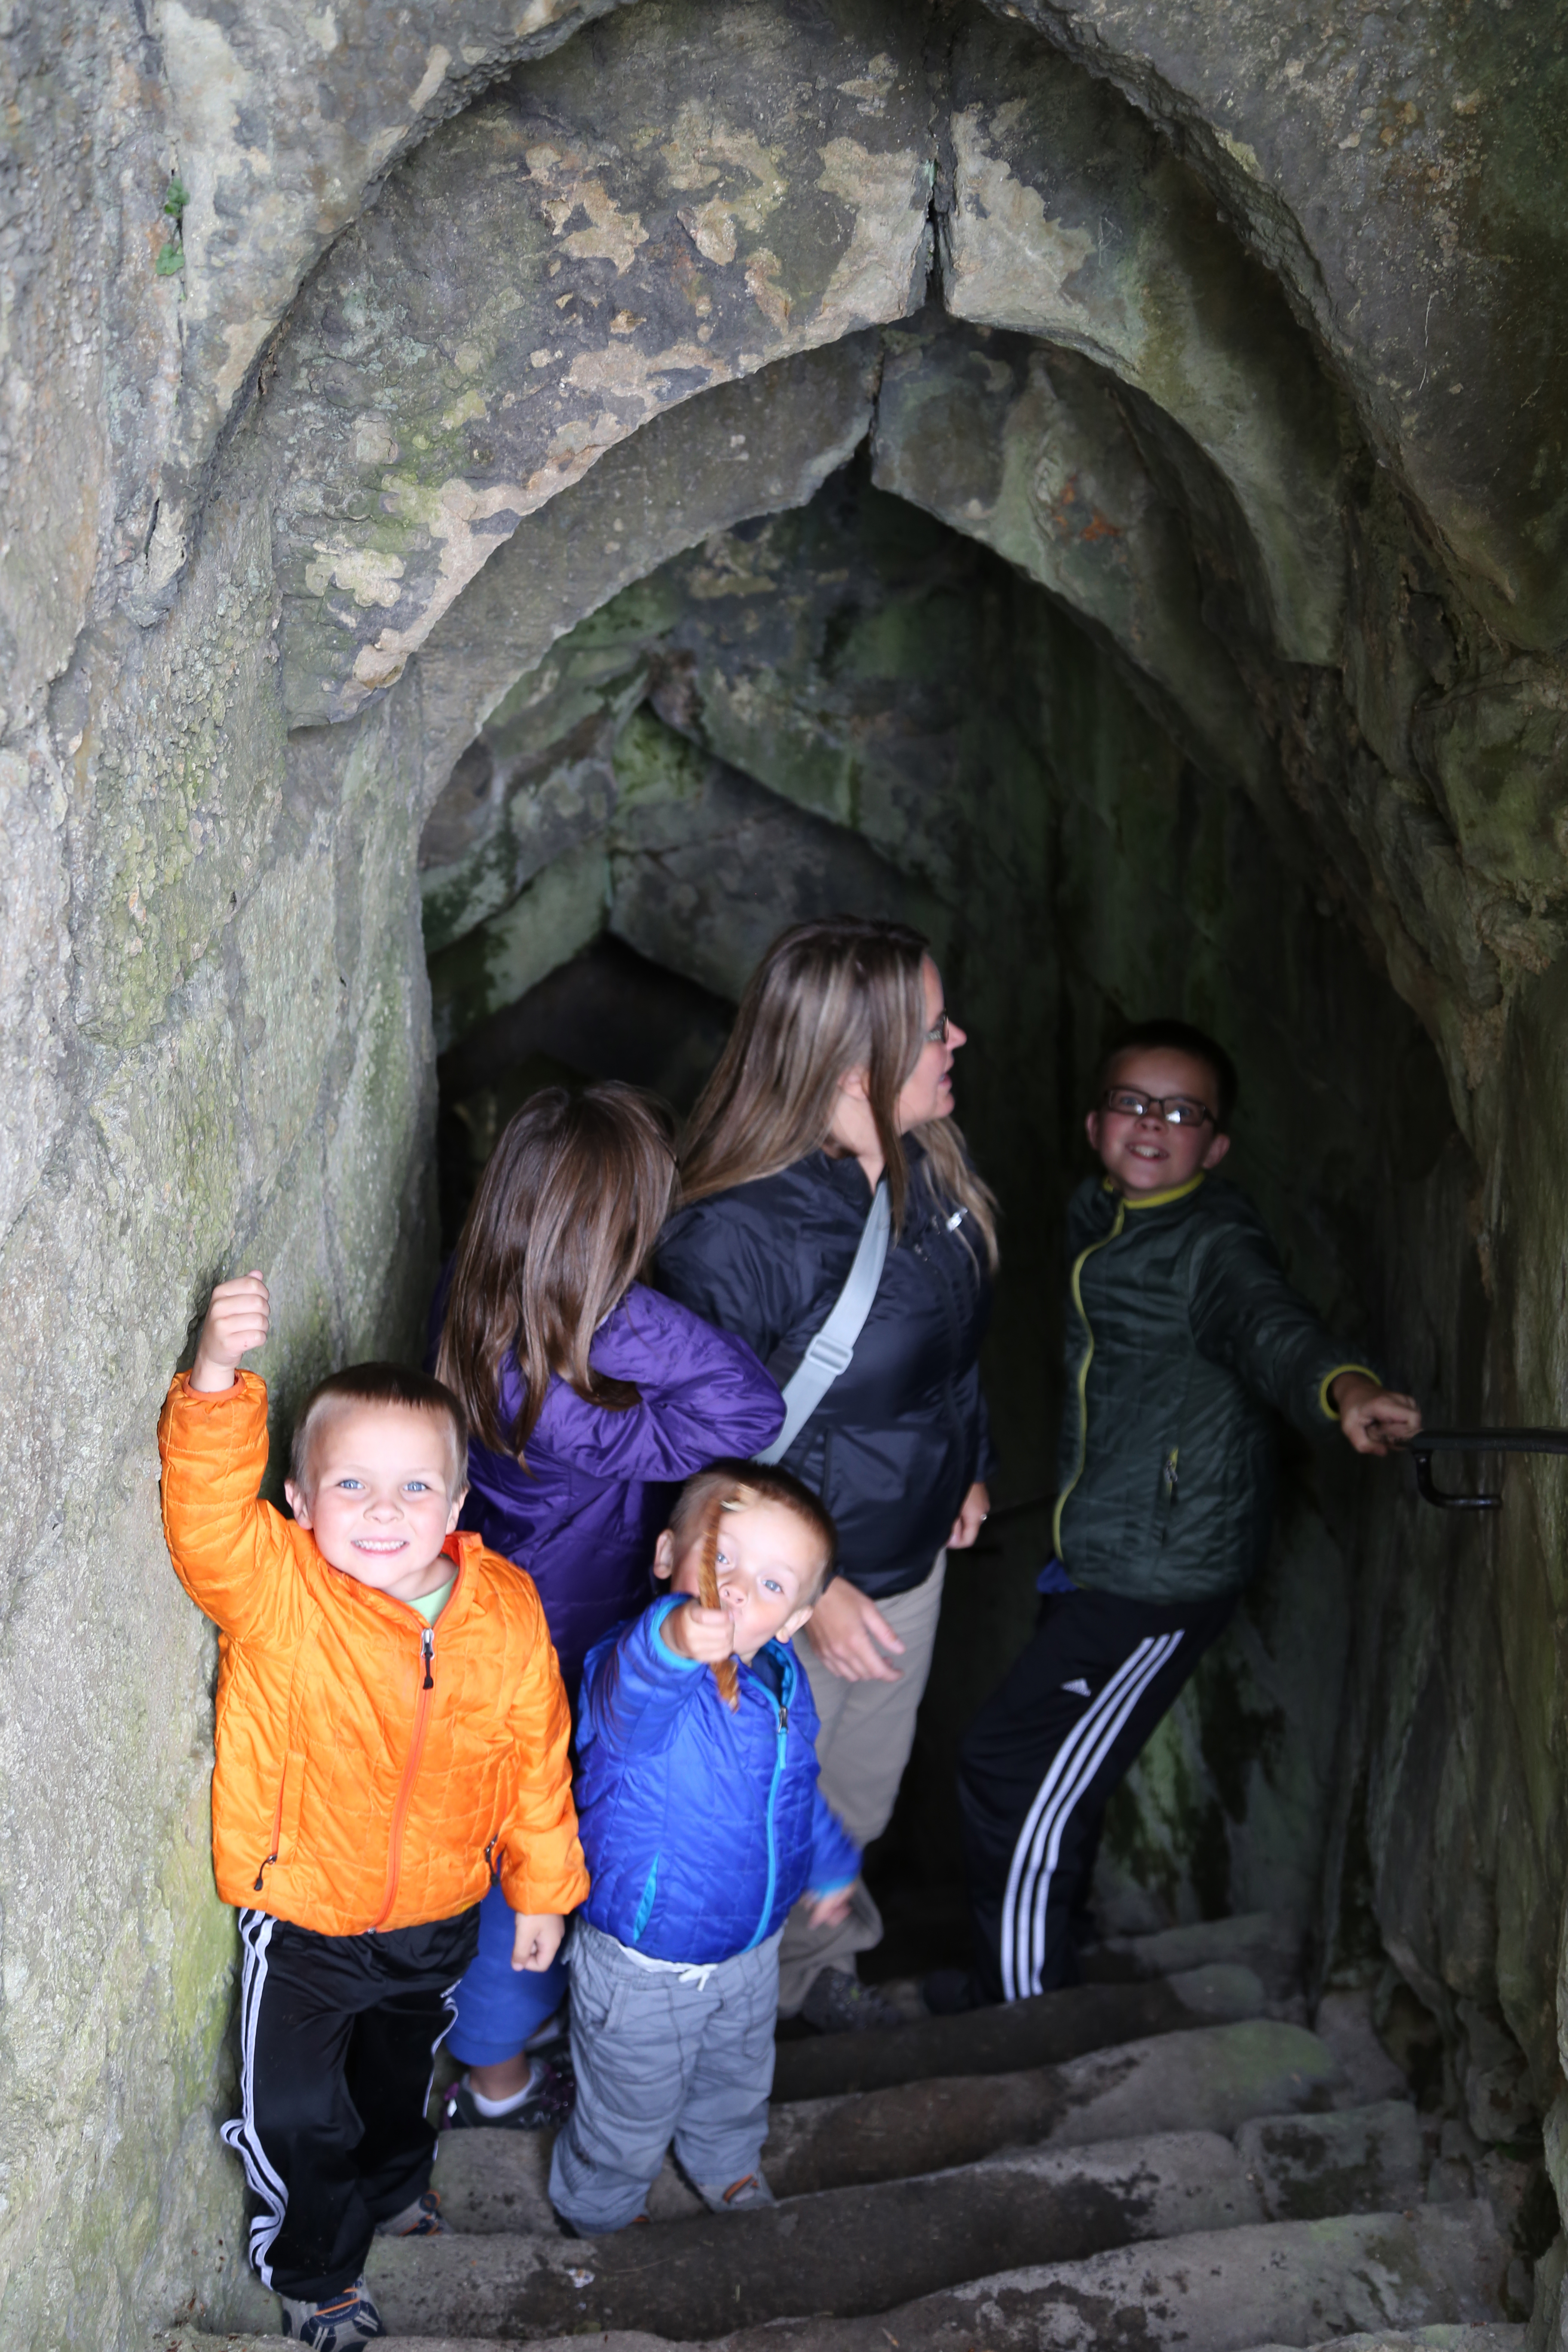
[1167, 2158]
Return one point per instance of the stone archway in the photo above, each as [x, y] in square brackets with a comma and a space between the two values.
[1200, 375]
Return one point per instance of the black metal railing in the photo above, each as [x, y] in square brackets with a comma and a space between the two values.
[1420, 1449]
[1428, 1442]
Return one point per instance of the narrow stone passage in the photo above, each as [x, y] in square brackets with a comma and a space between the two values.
[1173, 2159]
[509, 503]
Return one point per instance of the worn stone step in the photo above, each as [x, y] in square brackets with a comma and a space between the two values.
[1483, 2335]
[1309, 2168]
[1288, 2283]
[1267, 1942]
[1486, 2336]
[1041, 2032]
[1291, 2282]
[865, 2249]
[845, 2251]
[1215, 2078]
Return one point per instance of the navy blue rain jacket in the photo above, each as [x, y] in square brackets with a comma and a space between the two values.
[901, 1435]
[702, 1828]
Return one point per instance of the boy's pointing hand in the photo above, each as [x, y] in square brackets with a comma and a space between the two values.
[706, 1636]
[238, 1319]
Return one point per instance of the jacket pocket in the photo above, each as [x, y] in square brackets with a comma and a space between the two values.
[289, 1798]
[599, 1989]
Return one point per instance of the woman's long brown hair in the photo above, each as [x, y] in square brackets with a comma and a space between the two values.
[831, 996]
[568, 1208]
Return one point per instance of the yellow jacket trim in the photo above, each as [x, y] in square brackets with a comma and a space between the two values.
[1079, 1263]
[1158, 1200]
[1330, 1378]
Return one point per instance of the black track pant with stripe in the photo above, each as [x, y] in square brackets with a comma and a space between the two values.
[337, 2035]
[1040, 1760]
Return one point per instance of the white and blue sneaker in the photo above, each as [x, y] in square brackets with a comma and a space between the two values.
[338, 2325]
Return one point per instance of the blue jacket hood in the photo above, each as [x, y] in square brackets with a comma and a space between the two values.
[702, 1827]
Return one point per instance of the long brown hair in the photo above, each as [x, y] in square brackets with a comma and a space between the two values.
[568, 1208]
[841, 994]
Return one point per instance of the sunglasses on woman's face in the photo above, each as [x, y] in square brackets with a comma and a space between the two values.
[937, 1034]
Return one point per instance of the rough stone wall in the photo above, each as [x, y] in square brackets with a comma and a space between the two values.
[215, 1019]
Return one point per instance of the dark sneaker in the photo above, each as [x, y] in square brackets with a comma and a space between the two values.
[840, 2003]
[420, 2219]
[335, 2325]
[550, 2098]
[745, 2196]
[952, 1992]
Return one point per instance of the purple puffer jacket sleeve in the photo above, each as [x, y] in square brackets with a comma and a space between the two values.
[703, 1393]
[583, 1517]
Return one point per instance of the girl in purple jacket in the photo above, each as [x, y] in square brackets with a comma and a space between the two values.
[589, 1396]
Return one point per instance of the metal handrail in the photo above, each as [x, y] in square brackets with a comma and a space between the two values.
[1420, 1448]
[1427, 1442]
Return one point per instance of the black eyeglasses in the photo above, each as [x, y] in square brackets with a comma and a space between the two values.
[1176, 1110]
[937, 1034]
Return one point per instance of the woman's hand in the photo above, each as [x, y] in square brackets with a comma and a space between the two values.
[850, 1633]
[972, 1516]
[830, 1910]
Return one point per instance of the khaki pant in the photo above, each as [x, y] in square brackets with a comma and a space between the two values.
[867, 1731]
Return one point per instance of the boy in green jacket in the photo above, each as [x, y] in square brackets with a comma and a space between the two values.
[1183, 1339]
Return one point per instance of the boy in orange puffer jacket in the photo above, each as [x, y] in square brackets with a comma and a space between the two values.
[391, 1730]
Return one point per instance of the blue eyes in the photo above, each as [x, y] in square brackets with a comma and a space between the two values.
[722, 1560]
[357, 1487]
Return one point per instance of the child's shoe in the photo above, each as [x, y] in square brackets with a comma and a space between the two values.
[837, 2002]
[544, 2105]
[420, 2219]
[337, 2325]
[952, 1992]
[748, 2195]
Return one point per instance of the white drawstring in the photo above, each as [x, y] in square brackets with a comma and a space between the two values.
[685, 1972]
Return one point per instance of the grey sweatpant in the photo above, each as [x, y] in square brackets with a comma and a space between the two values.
[658, 2059]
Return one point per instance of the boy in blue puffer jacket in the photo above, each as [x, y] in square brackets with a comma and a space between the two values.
[702, 1825]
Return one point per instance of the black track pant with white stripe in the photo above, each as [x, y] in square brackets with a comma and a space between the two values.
[337, 2035]
[1042, 1757]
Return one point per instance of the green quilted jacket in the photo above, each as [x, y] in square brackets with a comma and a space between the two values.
[1182, 1333]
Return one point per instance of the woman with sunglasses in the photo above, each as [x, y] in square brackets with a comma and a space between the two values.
[834, 1092]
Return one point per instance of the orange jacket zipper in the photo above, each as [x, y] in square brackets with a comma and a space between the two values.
[276, 1832]
[416, 1748]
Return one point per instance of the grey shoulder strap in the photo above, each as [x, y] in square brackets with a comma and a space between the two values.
[832, 1348]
